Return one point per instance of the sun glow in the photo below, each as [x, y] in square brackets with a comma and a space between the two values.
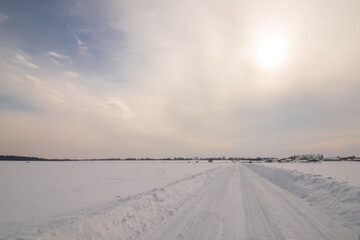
[271, 51]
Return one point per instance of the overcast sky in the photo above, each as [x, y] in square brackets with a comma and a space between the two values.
[164, 78]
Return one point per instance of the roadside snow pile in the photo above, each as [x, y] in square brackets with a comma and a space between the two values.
[134, 216]
[337, 199]
[342, 171]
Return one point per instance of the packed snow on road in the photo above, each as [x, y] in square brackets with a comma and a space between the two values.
[178, 200]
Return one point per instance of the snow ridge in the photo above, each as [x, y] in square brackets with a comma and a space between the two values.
[337, 199]
[135, 216]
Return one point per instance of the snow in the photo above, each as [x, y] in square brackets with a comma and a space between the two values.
[173, 200]
[45, 189]
[339, 200]
[241, 204]
[340, 171]
[133, 217]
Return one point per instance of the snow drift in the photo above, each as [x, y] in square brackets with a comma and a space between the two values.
[134, 216]
[337, 199]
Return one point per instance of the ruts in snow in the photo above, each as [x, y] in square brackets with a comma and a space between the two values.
[243, 205]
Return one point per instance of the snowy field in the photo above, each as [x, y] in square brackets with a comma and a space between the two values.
[175, 200]
[340, 171]
[42, 190]
[39, 189]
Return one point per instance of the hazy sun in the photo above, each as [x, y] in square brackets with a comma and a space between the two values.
[271, 51]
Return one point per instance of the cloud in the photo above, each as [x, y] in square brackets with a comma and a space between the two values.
[55, 62]
[21, 59]
[197, 69]
[58, 58]
[83, 49]
[33, 79]
[57, 55]
[72, 74]
[54, 95]
[180, 77]
[117, 107]
[3, 18]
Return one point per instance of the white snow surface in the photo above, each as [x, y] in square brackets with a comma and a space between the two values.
[339, 200]
[174, 200]
[53, 191]
[340, 171]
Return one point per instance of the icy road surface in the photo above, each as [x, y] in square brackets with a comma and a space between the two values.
[242, 205]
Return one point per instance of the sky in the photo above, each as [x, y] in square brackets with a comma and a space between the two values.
[165, 78]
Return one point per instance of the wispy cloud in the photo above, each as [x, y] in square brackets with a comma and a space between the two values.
[57, 55]
[83, 49]
[34, 79]
[57, 58]
[72, 74]
[56, 62]
[3, 18]
[21, 59]
[116, 107]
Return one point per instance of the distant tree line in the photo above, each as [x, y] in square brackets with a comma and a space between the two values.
[21, 158]
[309, 157]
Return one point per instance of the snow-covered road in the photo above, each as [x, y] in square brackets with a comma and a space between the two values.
[183, 200]
[240, 204]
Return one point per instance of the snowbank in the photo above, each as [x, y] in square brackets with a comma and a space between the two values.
[343, 171]
[46, 189]
[131, 217]
[338, 199]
